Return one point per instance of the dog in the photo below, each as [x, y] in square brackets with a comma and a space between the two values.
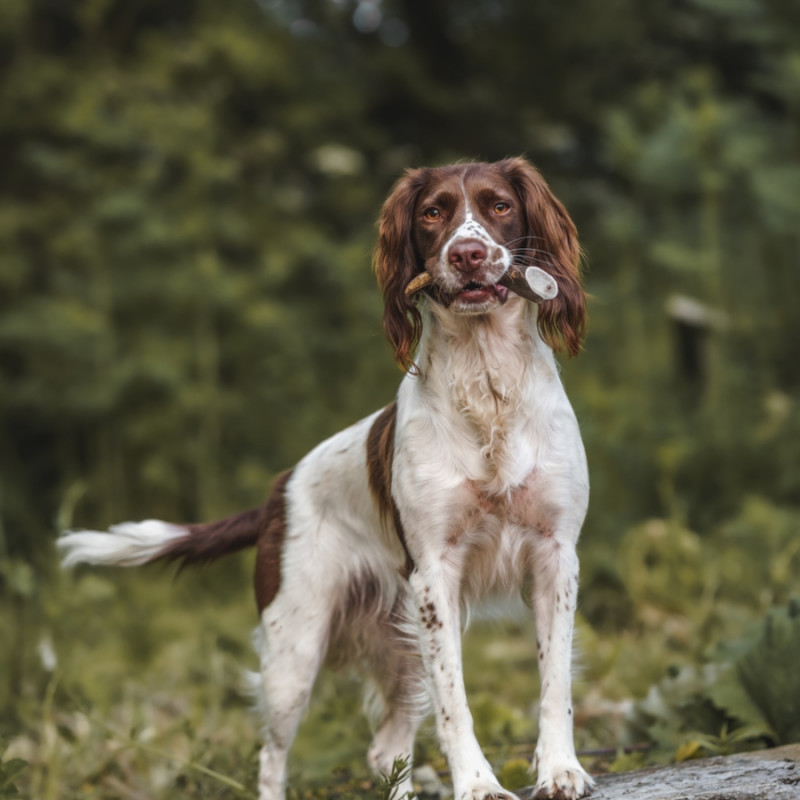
[473, 481]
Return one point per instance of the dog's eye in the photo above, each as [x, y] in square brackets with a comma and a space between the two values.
[432, 213]
[501, 208]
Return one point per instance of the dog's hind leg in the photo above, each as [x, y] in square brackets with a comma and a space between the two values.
[394, 740]
[398, 704]
[292, 645]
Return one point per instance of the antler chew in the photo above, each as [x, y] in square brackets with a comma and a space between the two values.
[418, 283]
[534, 284]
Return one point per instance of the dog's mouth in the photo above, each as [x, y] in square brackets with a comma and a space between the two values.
[475, 292]
[474, 295]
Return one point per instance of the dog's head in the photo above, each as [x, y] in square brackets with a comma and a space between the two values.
[465, 225]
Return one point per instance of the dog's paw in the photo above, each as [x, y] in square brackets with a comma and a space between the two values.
[562, 782]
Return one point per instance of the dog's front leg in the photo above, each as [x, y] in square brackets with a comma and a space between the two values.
[435, 591]
[554, 601]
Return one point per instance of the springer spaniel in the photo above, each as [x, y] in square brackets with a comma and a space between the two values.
[472, 481]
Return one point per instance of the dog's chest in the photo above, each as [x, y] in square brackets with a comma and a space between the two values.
[489, 400]
[495, 535]
[524, 505]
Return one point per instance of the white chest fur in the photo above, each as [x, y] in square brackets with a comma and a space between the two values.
[489, 401]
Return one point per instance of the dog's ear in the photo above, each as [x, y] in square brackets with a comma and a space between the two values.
[396, 264]
[553, 246]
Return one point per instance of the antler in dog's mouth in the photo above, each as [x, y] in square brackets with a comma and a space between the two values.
[533, 284]
[418, 283]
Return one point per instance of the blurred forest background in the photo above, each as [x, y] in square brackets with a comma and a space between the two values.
[188, 191]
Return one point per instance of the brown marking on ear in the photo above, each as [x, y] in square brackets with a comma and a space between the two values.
[380, 456]
[270, 544]
[552, 234]
[396, 264]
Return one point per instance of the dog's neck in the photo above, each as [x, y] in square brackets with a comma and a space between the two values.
[498, 346]
[485, 371]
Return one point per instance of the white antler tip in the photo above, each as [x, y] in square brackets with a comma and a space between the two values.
[541, 282]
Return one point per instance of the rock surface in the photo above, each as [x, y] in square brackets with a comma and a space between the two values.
[762, 775]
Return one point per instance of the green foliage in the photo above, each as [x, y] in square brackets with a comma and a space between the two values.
[746, 696]
[515, 773]
[228, 170]
[688, 587]
[10, 771]
[388, 785]
[678, 709]
[766, 674]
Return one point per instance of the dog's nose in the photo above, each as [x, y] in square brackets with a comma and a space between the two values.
[467, 255]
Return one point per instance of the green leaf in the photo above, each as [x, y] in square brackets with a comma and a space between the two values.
[9, 771]
[769, 673]
[728, 693]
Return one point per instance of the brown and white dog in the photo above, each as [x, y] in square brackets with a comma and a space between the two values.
[473, 481]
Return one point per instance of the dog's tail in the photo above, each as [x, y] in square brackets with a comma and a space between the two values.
[130, 544]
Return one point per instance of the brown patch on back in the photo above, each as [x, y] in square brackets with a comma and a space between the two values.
[380, 457]
[270, 544]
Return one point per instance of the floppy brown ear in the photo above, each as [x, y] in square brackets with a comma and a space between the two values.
[396, 263]
[552, 235]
